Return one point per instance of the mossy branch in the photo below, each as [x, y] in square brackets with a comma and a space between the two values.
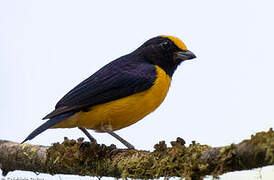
[192, 162]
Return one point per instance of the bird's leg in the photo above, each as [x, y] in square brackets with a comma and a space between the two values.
[92, 139]
[127, 144]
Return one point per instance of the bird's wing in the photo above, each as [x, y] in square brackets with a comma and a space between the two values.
[118, 79]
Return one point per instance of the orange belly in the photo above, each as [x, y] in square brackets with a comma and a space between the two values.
[122, 112]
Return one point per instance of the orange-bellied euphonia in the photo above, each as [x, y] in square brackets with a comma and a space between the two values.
[122, 92]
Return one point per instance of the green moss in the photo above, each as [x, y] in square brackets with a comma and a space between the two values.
[82, 157]
[97, 160]
[251, 153]
[263, 144]
[29, 151]
[177, 160]
[78, 157]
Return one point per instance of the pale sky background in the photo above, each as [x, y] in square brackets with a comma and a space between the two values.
[222, 97]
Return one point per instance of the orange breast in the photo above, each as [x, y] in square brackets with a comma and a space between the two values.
[122, 112]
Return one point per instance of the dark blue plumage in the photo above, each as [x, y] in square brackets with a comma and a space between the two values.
[120, 78]
[125, 76]
[47, 125]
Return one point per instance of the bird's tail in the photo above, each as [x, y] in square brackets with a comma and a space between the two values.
[51, 122]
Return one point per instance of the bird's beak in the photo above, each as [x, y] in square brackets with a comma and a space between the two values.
[184, 55]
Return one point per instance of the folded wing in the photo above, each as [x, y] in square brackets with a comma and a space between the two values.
[118, 79]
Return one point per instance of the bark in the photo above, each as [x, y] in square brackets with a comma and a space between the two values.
[192, 162]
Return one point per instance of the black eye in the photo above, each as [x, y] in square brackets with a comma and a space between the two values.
[165, 45]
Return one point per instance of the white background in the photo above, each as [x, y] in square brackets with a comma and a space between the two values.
[222, 97]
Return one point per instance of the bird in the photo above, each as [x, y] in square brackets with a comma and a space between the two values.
[122, 92]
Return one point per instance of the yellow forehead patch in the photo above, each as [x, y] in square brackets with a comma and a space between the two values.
[176, 41]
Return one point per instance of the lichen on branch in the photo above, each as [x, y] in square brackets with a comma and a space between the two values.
[193, 162]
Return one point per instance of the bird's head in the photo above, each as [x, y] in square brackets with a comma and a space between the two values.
[165, 51]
